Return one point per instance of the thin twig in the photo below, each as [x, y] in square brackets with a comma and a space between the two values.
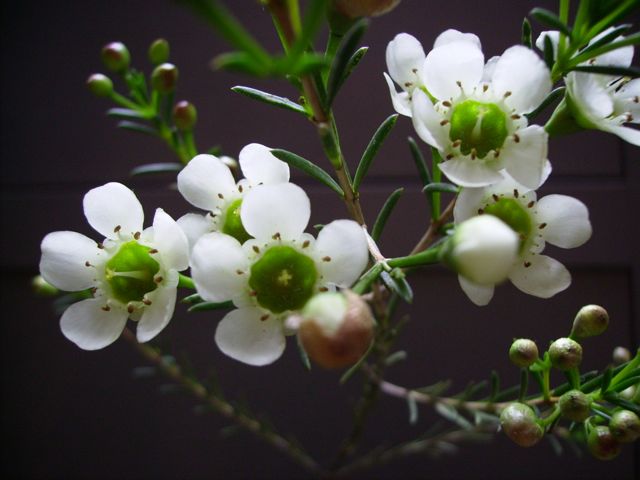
[433, 229]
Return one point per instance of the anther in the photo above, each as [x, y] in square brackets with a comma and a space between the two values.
[449, 156]
[253, 293]
[480, 211]
[100, 246]
[240, 188]
[220, 196]
[407, 84]
[153, 250]
[305, 244]
[239, 272]
[264, 317]
[276, 236]
[485, 87]
[496, 153]
[106, 308]
[459, 83]
[531, 204]
[130, 308]
[136, 236]
[93, 290]
[87, 264]
[456, 144]
[495, 197]
[527, 264]
[117, 229]
[444, 122]
[515, 116]
[636, 99]
[326, 259]
[446, 103]
[146, 301]
[256, 249]
[542, 225]
[516, 193]
[158, 279]
[323, 289]
[414, 70]
[516, 138]
[474, 154]
[507, 94]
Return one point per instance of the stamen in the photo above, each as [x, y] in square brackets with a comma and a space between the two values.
[485, 87]
[305, 244]
[117, 229]
[407, 84]
[239, 272]
[323, 289]
[449, 156]
[542, 225]
[146, 301]
[240, 188]
[480, 211]
[516, 138]
[276, 236]
[456, 144]
[446, 103]
[531, 204]
[496, 153]
[414, 70]
[88, 264]
[136, 235]
[527, 264]
[256, 249]
[326, 259]
[507, 94]
[153, 250]
[100, 246]
[444, 122]
[106, 308]
[220, 196]
[474, 154]
[264, 317]
[516, 193]
[130, 308]
[495, 197]
[158, 279]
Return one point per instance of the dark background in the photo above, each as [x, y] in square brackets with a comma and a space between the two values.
[67, 413]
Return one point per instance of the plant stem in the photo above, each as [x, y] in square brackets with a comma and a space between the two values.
[433, 229]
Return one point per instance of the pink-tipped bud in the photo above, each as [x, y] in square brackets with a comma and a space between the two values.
[185, 115]
[602, 444]
[521, 425]
[565, 354]
[116, 56]
[164, 78]
[523, 352]
[100, 85]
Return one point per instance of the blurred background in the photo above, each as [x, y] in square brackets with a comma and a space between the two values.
[67, 413]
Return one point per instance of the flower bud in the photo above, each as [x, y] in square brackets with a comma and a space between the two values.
[159, 51]
[565, 354]
[520, 424]
[625, 426]
[602, 444]
[100, 85]
[590, 321]
[364, 8]
[575, 405]
[336, 328]
[42, 287]
[621, 355]
[116, 57]
[164, 78]
[483, 249]
[523, 352]
[185, 115]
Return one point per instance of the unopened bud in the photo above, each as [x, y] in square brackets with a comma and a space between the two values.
[185, 115]
[590, 321]
[520, 424]
[159, 51]
[116, 57]
[625, 426]
[336, 329]
[575, 405]
[602, 444]
[364, 8]
[230, 162]
[100, 85]
[523, 352]
[42, 287]
[621, 355]
[164, 78]
[565, 354]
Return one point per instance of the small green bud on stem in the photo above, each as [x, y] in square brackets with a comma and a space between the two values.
[185, 115]
[159, 51]
[100, 85]
[621, 355]
[602, 444]
[164, 78]
[590, 321]
[116, 57]
[523, 352]
[575, 406]
[625, 426]
[520, 424]
[565, 354]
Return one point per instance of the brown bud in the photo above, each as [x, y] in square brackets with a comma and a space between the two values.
[590, 321]
[523, 352]
[565, 354]
[185, 115]
[602, 444]
[625, 426]
[520, 424]
[115, 56]
[164, 78]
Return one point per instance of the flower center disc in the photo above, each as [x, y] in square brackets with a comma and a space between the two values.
[232, 224]
[130, 272]
[511, 212]
[283, 279]
[479, 126]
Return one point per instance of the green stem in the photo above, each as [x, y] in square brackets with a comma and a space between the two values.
[545, 422]
[186, 282]
[546, 392]
[125, 102]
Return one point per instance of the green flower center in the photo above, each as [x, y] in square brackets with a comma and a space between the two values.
[283, 279]
[232, 224]
[478, 126]
[130, 272]
[511, 212]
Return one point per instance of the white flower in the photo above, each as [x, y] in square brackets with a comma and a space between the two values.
[405, 57]
[207, 183]
[558, 219]
[276, 272]
[474, 113]
[133, 273]
[483, 249]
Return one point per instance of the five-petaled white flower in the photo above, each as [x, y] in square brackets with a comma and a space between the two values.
[557, 219]
[274, 273]
[207, 183]
[603, 102]
[474, 113]
[133, 273]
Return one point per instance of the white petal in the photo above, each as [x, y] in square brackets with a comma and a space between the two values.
[258, 165]
[405, 56]
[215, 262]
[426, 120]
[203, 180]
[344, 242]
[157, 315]
[170, 241]
[543, 278]
[524, 74]
[282, 209]
[489, 69]
[87, 325]
[194, 226]
[589, 97]
[468, 203]
[451, 63]
[63, 261]
[567, 220]
[553, 35]
[401, 101]
[481, 295]
[620, 57]
[525, 155]
[628, 134]
[113, 205]
[469, 173]
[452, 35]
[245, 337]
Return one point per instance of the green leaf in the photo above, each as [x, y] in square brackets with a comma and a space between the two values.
[413, 409]
[552, 97]
[472, 390]
[451, 414]
[633, 72]
[621, 402]
[526, 33]
[206, 306]
[305, 64]
[280, 102]
[343, 56]
[128, 114]
[399, 286]
[240, 62]
[153, 168]
[372, 149]
[435, 389]
[193, 298]
[606, 380]
[441, 187]
[548, 52]
[584, 56]
[495, 386]
[355, 59]
[608, 38]
[395, 357]
[385, 212]
[304, 357]
[137, 127]
[311, 22]
[309, 168]
[354, 368]
[420, 162]
[546, 17]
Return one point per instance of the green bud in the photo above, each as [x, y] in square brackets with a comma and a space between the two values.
[523, 352]
[100, 85]
[116, 57]
[602, 444]
[590, 321]
[364, 8]
[185, 115]
[520, 424]
[42, 287]
[575, 406]
[164, 78]
[159, 51]
[621, 355]
[565, 354]
[625, 426]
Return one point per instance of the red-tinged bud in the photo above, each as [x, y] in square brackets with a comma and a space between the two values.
[523, 352]
[602, 444]
[625, 426]
[521, 425]
[100, 85]
[185, 115]
[164, 78]
[565, 354]
[116, 57]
